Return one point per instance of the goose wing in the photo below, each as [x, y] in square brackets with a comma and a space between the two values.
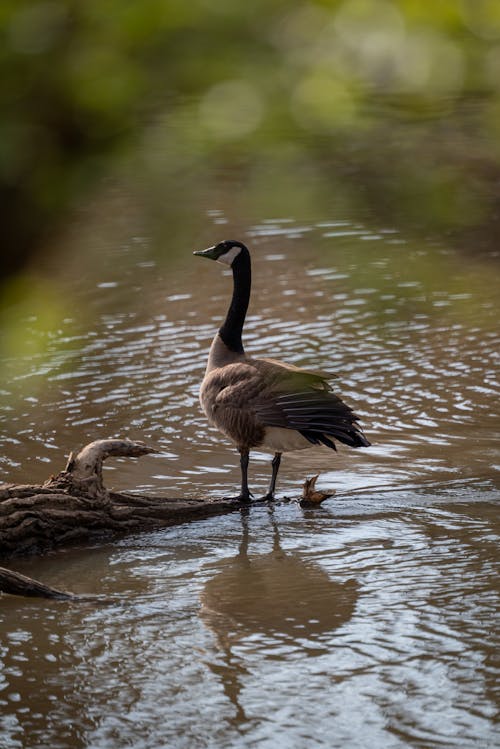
[318, 419]
[246, 397]
[316, 376]
[301, 400]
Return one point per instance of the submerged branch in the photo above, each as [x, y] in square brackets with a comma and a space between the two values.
[19, 585]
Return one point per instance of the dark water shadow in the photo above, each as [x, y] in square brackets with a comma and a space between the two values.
[279, 605]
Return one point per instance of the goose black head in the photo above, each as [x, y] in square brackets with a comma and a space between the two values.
[225, 252]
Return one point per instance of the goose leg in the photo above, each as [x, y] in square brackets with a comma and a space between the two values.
[272, 486]
[244, 495]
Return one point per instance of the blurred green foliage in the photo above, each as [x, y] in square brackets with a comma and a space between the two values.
[212, 81]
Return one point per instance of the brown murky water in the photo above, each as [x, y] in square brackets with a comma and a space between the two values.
[371, 621]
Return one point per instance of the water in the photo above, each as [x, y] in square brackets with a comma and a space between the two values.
[337, 627]
[371, 620]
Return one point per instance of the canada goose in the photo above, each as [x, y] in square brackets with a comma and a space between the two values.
[262, 403]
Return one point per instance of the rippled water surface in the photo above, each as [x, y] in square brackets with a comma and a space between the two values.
[370, 621]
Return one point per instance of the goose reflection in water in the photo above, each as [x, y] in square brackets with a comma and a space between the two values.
[278, 605]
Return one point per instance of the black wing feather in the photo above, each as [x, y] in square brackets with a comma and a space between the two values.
[320, 416]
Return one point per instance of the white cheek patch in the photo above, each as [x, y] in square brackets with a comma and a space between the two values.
[228, 257]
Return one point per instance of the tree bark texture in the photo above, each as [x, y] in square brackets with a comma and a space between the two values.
[75, 507]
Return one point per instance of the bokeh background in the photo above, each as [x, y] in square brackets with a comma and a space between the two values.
[143, 126]
[355, 146]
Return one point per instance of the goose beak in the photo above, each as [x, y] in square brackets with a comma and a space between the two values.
[210, 252]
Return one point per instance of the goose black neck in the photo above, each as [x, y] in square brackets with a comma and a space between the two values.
[231, 329]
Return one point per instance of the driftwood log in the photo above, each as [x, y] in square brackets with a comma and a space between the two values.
[75, 507]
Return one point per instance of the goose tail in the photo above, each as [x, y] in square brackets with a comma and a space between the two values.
[352, 436]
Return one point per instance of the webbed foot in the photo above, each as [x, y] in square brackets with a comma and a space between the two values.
[269, 497]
